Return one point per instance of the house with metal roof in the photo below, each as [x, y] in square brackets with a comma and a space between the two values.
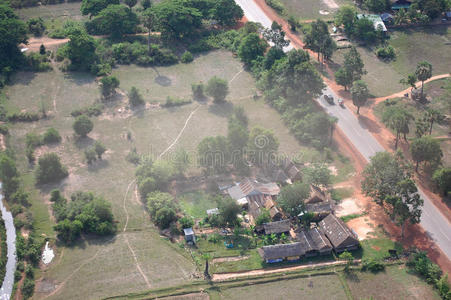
[376, 19]
[339, 234]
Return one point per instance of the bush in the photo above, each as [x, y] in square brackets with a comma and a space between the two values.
[50, 169]
[198, 91]
[36, 26]
[92, 110]
[23, 117]
[276, 5]
[164, 217]
[442, 178]
[51, 136]
[133, 157]
[217, 88]
[36, 62]
[187, 57]
[90, 155]
[28, 288]
[372, 265]
[99, 149]
[173, 101]
[82, 125]
[186, 222]
[386, 53]
[214, 238]
[4, 129]
[135, 98]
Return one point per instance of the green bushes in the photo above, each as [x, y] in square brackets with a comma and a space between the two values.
[84, 213]
[23, 117]
[51, 136]
[36, 62]
[174, 101]
[372, 265]
[90, 111]
[442, 178]
[82, 125]
[127, 53]
[386, 53]
[162, 209]
[135, 98]
[50, 169]
[36, 26]
[276, 5]
[3, 256]
[33, 140]
[187, 57]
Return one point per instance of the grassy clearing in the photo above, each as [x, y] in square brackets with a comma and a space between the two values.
[411, 46]
[339, 194]
[196, 203]
[328, 286]
[309, 9]
[394, 283]
[63, 11]
[377, 248]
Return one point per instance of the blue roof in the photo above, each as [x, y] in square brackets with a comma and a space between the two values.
[188, 231]
[386, 16]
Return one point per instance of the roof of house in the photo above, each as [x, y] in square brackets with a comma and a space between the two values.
[337, 232]
[376, 19]
[313, 240]
[259, 202]
[277, 227]
[188, 231]
[318, 207]
[281, 251]
[386, 16]
[250, 187]
[316, 195]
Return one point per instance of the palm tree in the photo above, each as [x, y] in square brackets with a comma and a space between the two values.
[401, 17]
[206, 257]
[423, 73]
[433, 115]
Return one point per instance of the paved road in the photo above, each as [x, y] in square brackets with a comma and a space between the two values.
[435, 224]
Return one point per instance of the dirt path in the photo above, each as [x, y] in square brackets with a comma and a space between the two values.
[180, 133]
[226, 276]
[35, 43]
[236, 75]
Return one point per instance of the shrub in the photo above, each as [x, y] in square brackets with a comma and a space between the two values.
[164, 217]
[186, 222]
[90, 155]
[82, 125]
[4, 129]
[37, 63]
[187, 57]
[173, 101]
[276, 5]
[135, 98]
[28, 288]
[214, 238]
[198, 91]
[386, 53]
[23, 117]
[99, 149]
[372, 265]
[50, 169]
[36, 26]
[217, 88]
[442, 178]
[51, 136]
[133, 157]
[108, 85]
[92, 110]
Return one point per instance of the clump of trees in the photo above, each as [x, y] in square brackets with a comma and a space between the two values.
[108, 86]
[442, 178]
[388, 180]
[319, 40]
[217, 88]
[83, 125]
[292, 197]
[33, 140]
[95, 152]
[50, 169]
[85, 213]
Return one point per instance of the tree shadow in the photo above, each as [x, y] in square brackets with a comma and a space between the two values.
[24, 78]
[98, 165]
[223, 109]
[352, 276]
[83, 142]
[163, 80]
[369, 124]
[79, 78]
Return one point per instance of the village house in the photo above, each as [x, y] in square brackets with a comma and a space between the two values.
[278, 227]
[376, 19]
[314, 242]
[339, 234]
[256, 196]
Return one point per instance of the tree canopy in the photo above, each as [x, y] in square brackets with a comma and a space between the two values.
[359, 93]
[397, 118]
[426, 149]
[82, 125]
[50, 169]
[251, 47]
[94, 7]
[217, 88]
[81, 50]
[115, 20]
[292, 197]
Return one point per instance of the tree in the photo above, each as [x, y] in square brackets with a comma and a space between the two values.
[135, 99]
[146, 4]
[319, 40]
[346, 15]
[50, 169]
[423, 72]
[108, 85]
[36, 26]
[262, 146]
[271, 56]
[433, 116]
[115, 20]
[292, 197]
[148, 19]
[130, 3]
[317, 174]
[181, 160]
[364, 31]
[81, 50]
[217, 88]
[68, 231]
[411, 80]
[426, 149]
[162, 172]
[176, 19]
[94, 7]
[263, 218]
[9, 175]
[213, 154]
[164, 217]
[99, 149]
[42, 49]
[198, 91]
[398, 119]
[83, 125]
[13, 32]
[359, 93]
[383, 174]
[276, 35]
[158, 200]
[347, 256]
[251, 47]
[226, 12]
[343, 77]
[442, 178]
[377, 6]
[186, 222]
[353, 64]
[405, 206]
[228, 211]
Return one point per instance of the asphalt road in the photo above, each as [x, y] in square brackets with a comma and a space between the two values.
[435, 224]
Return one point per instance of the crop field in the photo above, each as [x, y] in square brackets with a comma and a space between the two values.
[325, 286]
[411, 46]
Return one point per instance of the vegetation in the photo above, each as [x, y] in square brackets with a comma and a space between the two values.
[135, 98]
[442, 178]
[426, 149]
[359, 93]
[82, 125]
[319, 40]
[217, 88]
[397, 118]
[50, 169]
[291, 198]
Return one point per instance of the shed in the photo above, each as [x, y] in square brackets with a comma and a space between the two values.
[277, 227]
[190, 237]
[339, 234]
[280, 252]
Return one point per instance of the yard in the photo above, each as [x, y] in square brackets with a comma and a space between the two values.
[411, 46]
[313, 9]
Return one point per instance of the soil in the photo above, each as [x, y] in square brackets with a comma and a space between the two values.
[348, 206]
[193, 296]
[35, 43]
[414, 234]
[361, 227]
[232, 258]
[2, 142]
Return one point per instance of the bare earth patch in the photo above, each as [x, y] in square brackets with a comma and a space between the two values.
[231, 258]
[348, 206]
[361, 227]
[194, 296]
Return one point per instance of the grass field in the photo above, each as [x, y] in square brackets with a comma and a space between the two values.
[55, 11]
[411, 46]
[393, 283]
[325, 287]
[309, 9]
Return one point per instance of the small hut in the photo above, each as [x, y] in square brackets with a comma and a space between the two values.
[190, 237]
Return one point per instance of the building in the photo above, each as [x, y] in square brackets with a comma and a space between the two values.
[376, 19]
[314, 242]
[281, 252]
[190, 237]
[387, 18]
[256, 196]
[340, 236]
[401, 4]
[277, 227]
[316, 195]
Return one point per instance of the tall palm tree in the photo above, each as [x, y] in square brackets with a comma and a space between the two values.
[423, 73]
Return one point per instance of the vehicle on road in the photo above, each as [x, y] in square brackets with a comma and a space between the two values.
[329, 99]
[341, 103]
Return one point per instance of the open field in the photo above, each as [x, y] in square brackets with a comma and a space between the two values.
[328, 286]
[310, 9]
[394, 283]
[411, 46]
[55, 11]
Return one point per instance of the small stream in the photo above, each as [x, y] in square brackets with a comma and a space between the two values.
[8, 282]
